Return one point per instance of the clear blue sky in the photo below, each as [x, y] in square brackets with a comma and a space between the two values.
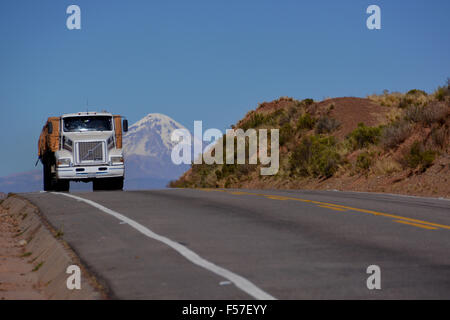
[204, 60]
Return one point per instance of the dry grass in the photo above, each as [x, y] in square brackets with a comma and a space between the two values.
[402, 100]
[387, 99]
[394, 114]
[427, 115]
[386, 166]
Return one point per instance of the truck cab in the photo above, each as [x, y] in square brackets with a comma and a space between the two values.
[83, 146]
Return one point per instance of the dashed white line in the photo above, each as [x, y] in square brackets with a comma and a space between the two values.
[239, 281]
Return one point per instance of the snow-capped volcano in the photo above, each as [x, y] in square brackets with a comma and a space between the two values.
[147, 150]
[150, 136]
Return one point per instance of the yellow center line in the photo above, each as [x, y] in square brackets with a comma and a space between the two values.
[241, 193]
[416, 225]
[276, 197]
[333, 208]
[375, 213]
[393, 216]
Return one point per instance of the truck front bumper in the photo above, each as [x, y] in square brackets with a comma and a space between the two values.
[90, 172]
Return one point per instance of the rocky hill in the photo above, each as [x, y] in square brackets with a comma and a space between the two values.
[394, 142]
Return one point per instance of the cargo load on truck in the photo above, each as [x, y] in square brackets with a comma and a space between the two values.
[49, 138]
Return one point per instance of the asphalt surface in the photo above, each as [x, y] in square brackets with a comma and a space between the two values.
[290, 244]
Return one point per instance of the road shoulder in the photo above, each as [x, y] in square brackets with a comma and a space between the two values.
[33, 258]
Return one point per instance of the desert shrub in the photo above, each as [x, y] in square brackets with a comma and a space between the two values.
[436, 112]
[364, 161]
[395, 133]
[255, 120]
[198, 169]
[201, 177]
[405, 102]
[330, 107]
[285, 118]
[286, 133]
[427, 115]
[219, 174]
[245, 169]
[442, 92]
[272, 118]
[228, 169]
[418, 156]
[293, 110]
[326, 125]
[305, 122]
[414, 113]
[301, 156]
[413, 97]
[439, 136]
[285, 99]
[228, 183]
[315, 156]
[363, 136]
[276, 113]
[416, 92]
[307, 102]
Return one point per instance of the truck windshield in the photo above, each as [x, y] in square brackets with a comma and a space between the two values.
[87, 123]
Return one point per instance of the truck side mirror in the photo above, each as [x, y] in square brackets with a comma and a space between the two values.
[125, 125]
[50, 128]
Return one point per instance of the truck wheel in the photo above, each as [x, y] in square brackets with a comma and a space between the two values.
[47, 178]
[62, 185]
[107, 184]
[116, 184]
[98, 185]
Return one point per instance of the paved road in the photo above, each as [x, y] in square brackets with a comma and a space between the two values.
[243, 244]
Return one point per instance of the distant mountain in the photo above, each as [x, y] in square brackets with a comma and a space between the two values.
[147, 149]
[22, 182]
[31, 181]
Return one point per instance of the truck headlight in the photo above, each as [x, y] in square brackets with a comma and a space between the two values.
[116, 160]
[65, 162]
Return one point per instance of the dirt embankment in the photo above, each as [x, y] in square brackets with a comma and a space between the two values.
[33, 261]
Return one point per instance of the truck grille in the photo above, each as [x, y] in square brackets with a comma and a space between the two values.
[91, 151]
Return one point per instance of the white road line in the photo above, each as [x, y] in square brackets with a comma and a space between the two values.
[240, 282]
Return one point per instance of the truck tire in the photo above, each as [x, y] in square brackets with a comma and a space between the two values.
[117, 184]
[107, 184]
[97, 185]
[62, 185]
[47, 177]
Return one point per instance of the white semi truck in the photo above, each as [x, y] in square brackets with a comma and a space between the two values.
[83, 146]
